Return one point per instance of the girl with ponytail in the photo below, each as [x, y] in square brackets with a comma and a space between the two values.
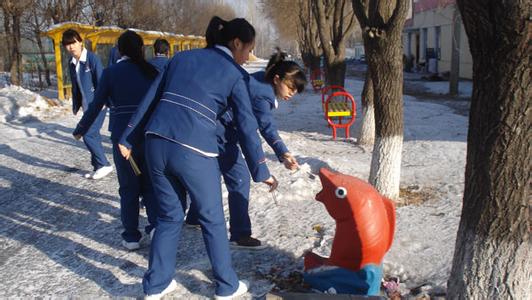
[236, 35]
[182, 108]
[121, 88]
[282, 80]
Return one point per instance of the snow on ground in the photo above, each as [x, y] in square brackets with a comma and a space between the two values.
[60, 233]
[442, 87]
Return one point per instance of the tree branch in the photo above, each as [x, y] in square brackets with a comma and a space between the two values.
[360, 11]
[323, 30]
[401, 7]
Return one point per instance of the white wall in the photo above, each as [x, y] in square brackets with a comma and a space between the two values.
[429, 20]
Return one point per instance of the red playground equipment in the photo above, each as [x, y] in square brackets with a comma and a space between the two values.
[316, 80]
[341, 105]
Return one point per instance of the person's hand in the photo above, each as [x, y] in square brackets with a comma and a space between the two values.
[77, 136]
[126, 153]
[290, 161]
[272, 182]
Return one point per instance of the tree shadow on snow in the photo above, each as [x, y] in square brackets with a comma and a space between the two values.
[58, 133]
[78, 229]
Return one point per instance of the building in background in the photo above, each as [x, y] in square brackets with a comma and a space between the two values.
[428, 38]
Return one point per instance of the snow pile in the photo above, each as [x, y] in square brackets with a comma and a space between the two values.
[17, 103]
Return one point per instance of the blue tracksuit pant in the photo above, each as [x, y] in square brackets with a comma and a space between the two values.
[131, 188]
[170, 163]
[93, 142]
[237, 181]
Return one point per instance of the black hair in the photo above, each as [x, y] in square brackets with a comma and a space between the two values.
[286, 70]
[221, 32]
[130, 44]
[161, 46]
[70, 36]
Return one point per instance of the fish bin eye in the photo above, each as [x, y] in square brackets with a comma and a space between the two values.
[341, 192]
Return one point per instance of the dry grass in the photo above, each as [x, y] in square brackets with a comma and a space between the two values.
[414, 195]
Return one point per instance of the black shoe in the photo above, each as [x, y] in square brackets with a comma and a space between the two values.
[247, 242]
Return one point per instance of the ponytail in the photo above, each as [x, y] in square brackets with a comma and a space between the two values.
[286, 70]
[213, 35]
[221, 32]
[130, 44]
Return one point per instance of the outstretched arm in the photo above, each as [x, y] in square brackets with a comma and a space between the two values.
[100, 99]
[263, 112]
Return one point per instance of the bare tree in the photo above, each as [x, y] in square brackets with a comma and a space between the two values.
[295, 21]
[199, 11]
[455, 54]
[492, 252]
[309, 39]
[13, 11]
[367, 130]
[382, 27]
[335, 21]
[284, 15]
[64, 10]
[35, 21]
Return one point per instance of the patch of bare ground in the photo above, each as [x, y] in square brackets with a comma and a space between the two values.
[415, 195]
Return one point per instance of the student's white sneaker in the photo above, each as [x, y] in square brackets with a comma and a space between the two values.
[242, 289]
[102, 172]
[131, 245]
[170, 288]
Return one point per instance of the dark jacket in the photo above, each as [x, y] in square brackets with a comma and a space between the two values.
[89, 75]
[122, 87]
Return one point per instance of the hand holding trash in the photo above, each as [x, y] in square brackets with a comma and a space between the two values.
[290, 161]
[272, 182]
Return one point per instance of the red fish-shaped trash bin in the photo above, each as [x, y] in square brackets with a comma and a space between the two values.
[365, 226]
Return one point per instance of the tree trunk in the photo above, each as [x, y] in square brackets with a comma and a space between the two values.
[367, 131]
[385, 60]
[8, 61]
[334, 22]
[37, 32]
[43, 58]
[492, 252]
[455, 54]
[335, 72]
[16, 66]
[315, 62]
[382, 27]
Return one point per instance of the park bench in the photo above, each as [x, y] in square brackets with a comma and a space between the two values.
[316, 79]
[327, 91]
[340, 105]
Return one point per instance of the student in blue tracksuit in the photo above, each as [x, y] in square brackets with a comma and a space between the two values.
[180, 112]
[85, 70]
[121, 88]
[282, 79]
[114, 56]
[161, 49]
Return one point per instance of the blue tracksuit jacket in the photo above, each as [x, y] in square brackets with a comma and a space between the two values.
[263, 102]
[159, 62]
[184, 105]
